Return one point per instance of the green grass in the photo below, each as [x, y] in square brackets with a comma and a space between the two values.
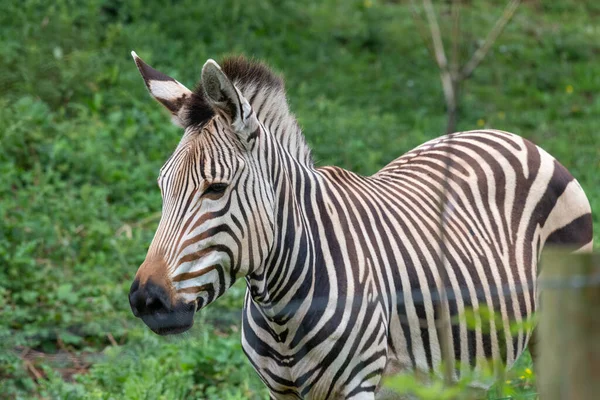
[81, 143]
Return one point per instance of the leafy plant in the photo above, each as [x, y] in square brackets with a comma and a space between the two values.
[81, 144]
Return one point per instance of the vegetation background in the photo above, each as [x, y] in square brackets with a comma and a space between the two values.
[81, 143]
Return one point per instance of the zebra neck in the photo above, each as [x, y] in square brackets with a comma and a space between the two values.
[284, 283]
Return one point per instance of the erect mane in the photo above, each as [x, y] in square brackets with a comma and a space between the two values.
[244, 72]
[265, 91]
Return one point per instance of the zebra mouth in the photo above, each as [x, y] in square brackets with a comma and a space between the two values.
[172, 330]
[177, 320]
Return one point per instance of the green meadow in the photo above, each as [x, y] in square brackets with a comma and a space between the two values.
[81, 144]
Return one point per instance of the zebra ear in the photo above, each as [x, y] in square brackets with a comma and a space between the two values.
[222, 95]
[170, 93]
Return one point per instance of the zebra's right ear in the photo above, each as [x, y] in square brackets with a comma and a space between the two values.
[170, 93]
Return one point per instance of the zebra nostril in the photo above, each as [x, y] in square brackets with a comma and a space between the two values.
[155, 305]
[148, 299]
[137, 302]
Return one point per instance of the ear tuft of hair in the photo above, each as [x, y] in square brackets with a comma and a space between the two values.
[198, 110]
[243, 73]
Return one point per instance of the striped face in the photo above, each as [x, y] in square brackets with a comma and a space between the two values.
[217, 215]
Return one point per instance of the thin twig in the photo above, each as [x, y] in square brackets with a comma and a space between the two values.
[436, 36]
[38, 375]
[24, 352]
[481, 52]
[445, 327]
[150, 218]
[444, 331]
[455, 60]
[442, 61]
[111, 339]
[421, 27]
[127, 228]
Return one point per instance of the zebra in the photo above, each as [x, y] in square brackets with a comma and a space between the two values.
[343, 271]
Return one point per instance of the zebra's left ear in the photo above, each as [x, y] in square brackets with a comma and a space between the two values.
[223, 96]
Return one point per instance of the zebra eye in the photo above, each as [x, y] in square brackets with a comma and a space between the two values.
[215, 190]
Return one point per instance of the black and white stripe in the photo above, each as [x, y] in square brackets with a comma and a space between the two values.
[344, 271]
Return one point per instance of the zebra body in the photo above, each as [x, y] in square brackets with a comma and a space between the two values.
[345, 272]
[382, 242]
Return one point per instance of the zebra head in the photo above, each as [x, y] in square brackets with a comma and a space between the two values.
[218, 207]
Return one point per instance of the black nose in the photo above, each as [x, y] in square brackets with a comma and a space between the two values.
[149, 299]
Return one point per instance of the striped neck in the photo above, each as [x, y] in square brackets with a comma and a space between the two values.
[287, 279]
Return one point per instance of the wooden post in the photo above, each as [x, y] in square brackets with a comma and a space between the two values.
[569, 326]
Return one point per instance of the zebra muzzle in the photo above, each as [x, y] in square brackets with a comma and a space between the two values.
[152, 303]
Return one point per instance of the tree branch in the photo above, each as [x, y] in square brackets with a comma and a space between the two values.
[455, 61]
[442, 62]
[481, 52]
[421, 28]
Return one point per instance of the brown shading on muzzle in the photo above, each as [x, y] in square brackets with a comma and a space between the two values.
[153, 299]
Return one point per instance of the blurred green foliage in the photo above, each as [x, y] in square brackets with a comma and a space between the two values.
[81, 144]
